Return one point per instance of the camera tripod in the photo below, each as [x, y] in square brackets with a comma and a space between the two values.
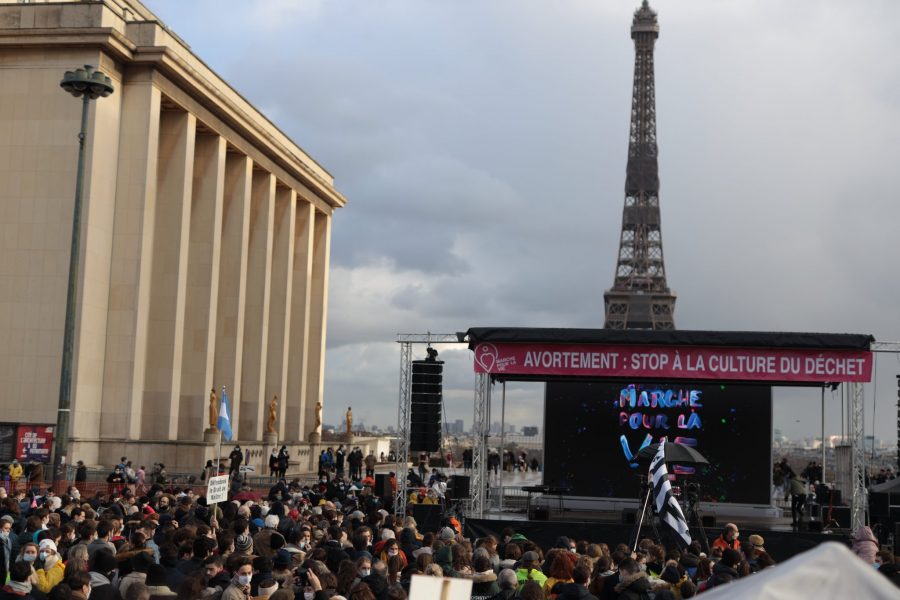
[644, 499]
[693, 515]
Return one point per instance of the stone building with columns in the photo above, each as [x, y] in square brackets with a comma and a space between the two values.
[205, 244]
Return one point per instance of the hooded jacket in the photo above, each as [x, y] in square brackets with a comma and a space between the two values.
[634, 586]
[485, 584]
[102, 588]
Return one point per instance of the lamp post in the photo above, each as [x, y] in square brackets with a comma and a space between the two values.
[88, 84]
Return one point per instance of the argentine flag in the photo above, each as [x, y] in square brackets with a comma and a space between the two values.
[224, 422]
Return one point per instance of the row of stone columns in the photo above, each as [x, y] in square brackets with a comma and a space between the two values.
[218, 277]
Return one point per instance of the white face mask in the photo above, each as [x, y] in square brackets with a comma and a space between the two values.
[29, 557]
[245, 579]
[365, 572]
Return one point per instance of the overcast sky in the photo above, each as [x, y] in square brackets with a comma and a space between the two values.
[482, 146]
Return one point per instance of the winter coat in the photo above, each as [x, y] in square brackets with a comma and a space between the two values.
[634, 587]
[552, 581]
[799, 487]
[6, 593]
[133, 577]
[443, 558]
[504, 595]
[484, 585]
[574, 591]
[523, 575]
[232, 592]
[48, 578]
[157, 592]
[865, 544]
[102, 588]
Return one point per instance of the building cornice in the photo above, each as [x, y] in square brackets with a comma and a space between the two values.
[142, 42]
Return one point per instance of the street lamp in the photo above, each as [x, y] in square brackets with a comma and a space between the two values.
[88, 84]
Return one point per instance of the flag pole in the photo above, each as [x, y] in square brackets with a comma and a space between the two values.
[215, 505]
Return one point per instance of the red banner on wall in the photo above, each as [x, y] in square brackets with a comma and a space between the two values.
[34, 443]
[675, 362]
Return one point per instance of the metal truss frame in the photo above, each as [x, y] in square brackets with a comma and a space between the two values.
[401, 462]
[480, 431]
[858, 500]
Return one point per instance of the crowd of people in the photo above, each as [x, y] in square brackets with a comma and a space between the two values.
[333, 540]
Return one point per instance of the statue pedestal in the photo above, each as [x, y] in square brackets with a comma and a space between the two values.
[314, 437]
[348, 437]
[270, 438]
[211, 435]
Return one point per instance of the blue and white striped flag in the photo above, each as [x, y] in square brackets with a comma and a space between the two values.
[224, 422]
[666, 505]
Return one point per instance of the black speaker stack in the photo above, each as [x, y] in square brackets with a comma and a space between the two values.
[383, 487]
[425, 410]
[458, 487]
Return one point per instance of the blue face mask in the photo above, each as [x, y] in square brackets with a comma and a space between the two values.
[29, 557]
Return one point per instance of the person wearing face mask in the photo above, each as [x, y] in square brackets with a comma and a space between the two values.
[28, 553]
[19, 586]
[6, 551]
[363, 568]
[390, 549]
[52, 568]
[80, 582]
[241, 577]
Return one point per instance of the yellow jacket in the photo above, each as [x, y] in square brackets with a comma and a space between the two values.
[15, 471]
[48, 578]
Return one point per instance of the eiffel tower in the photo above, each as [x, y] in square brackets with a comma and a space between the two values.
[640, 297]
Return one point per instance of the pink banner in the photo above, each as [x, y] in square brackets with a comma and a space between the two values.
[675, 362]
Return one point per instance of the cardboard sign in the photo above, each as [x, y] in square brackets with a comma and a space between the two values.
[425, 587]
[247, 469]
[217, 489]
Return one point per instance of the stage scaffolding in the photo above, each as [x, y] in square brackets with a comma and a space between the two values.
[401, 464]
[481, 424]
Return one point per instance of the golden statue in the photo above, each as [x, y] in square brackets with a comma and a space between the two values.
[213, 409]
[349, 418]
[273, 411]
[318, 427]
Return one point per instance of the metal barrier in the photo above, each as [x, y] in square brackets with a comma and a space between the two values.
[96, 482]
[514, 499]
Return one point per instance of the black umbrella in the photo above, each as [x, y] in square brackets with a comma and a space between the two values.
[675, 453]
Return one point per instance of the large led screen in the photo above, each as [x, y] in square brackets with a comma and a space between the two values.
[594, 430]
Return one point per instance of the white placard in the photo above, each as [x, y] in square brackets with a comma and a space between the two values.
[247, 469]
[425, 587]
[217, 489]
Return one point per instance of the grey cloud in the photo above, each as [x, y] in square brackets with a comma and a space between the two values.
[482, 148]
